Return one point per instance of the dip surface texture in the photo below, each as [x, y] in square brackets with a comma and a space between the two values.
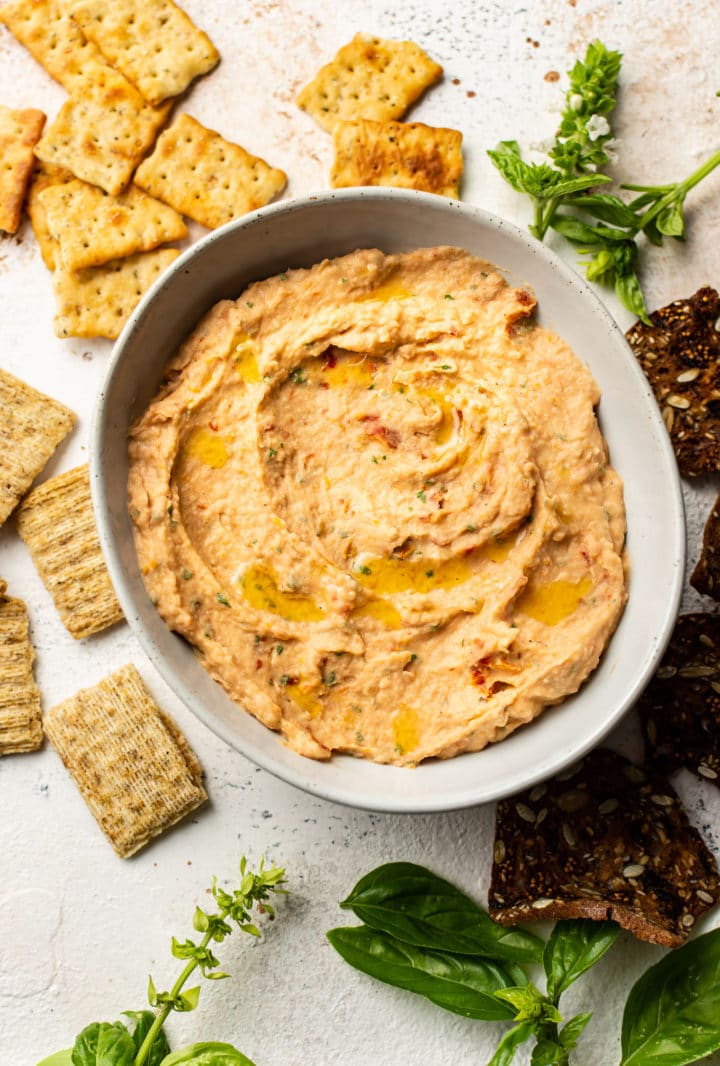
[375, 497]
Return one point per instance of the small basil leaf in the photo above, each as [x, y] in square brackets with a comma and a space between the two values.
[537, 180]
[573, 947]
[670, 222]
[527, 1001]
[60, 1058]
[548, 1053]
[574, 230]
[505, 1051]
[463, 985]
[207, 1054]
[143, 1023]
[419, 908]
[570, 1033]
[607, 208]
[627, 289]
[575, 185]
[671, 1016]
[115, 1046]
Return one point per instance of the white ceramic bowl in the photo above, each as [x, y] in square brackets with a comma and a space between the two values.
[299, 233]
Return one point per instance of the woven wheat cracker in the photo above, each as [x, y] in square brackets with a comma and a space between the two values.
[56, 522]
[132, 765]
[31, 427]
[153, 42]
[91, 227]
[20, 719]
[405, 155]
[205, 177]
[19, 133]
[369, 78]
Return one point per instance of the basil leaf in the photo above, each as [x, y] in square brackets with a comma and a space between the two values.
[419, 908]
[570, 1033]
[574, 185]
[505, 1051]
[459, 984]
[538, 180]
[103, 1044]
[607, 208]
[207, 1054]
[60, 1058]
[573, 947]
[143, 1022]
[548, 1053]
[627, 289]
[671, 1016]
[573, 229]
[670, 221]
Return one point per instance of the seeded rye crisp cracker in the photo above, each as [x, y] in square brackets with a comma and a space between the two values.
[405, 155]
[152, 42]
[680, 708]
[45, 175]
[603, 840]
[102, 131]
[91, 228]
[369, 78]
[20, 717]
[56, 522]
[31, 427]
[679, 354]
[19, 133]
[706, 575]
[133, 766]
[205, 177]
[98, 301]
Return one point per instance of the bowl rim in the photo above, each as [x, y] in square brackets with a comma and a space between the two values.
[300, 778]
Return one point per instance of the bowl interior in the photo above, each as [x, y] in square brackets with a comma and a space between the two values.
[299, 234]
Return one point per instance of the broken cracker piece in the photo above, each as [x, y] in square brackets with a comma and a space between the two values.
[54, 39]
[680, 708]
[19, 133]
[405, 155]
[137, 775]
[605, 840]
[102, 131]
[205, 177]
[679, 354]
[31, 428]
[57, 523]
[369, 78]
[152, 42]
[706, 575]
[98, 301]
[20, 717]
[44, 176]
[91, 228]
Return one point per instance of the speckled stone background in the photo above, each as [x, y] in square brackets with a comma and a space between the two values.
[79, 928]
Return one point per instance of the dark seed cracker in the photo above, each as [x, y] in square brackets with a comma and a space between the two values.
[680, 353]
[706, 575]
[609, 840]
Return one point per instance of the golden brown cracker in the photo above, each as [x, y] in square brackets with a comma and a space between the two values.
[53, 39]
[132, 770]
[369, 78]
[44, 176]
[405, 155]
[152, 42]
[102, 131]
[98, 301]
[205, 177]
[31, 428]
[20, 719]
[57, 523]
[19, 133]
[92, 228]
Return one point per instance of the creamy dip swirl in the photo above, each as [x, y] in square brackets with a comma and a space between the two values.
[375, 497]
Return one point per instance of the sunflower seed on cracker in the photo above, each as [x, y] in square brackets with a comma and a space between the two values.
[706, 575]
[152, 42]
[44, 176]
[19, 133]
[20, 718]
[618, 856]
[134, 768]
[56, 522]
[680, 710]
[369, 78]
[406, 155]
[31, 428]
[205, 177]
[679, 353]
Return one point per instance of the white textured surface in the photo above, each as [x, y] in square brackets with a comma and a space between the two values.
[79, 928]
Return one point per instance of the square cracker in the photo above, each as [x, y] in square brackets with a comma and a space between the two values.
[134, 768]
[31, 428]
[54, 40]
[44, 176]
[153, 42]
[205, 177]
[98, 301]
[57, 523]
[20, 718]
[406, 155]
[92, 228]
[369, 78]
[19, 133]
[102, 131]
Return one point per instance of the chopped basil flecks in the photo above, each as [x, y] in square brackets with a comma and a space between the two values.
[222, 599]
